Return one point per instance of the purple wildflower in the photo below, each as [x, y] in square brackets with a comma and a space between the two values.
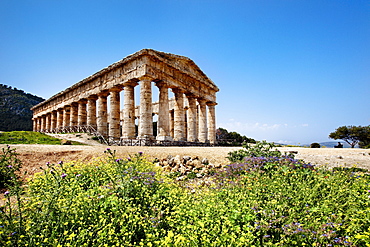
[6, 193]
[78, 175]
[64, 175]
[60, 162]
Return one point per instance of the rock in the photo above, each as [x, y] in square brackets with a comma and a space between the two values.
[186, 158]
[190, 163]
[182, 169]
[171, 161]
[205, 161]
[177, 160]
[197, 164]
[65, 142]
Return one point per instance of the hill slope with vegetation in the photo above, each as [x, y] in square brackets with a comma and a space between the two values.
[15, 112]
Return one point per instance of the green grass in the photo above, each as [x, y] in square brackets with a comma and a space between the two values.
[130, 202]
[29, 137]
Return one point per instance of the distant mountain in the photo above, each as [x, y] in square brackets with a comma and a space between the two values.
[15, 104]
[322, 144]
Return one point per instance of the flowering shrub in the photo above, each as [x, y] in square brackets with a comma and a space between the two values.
[260, 149]
[263, 201]
[9, 165]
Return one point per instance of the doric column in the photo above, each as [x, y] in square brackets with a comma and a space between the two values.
[34, 125]
[53, 120]
[192, 118]
[74, 114]
[59, 118]
[82, 114]
[39, 124]
[211, 117]
[114, 114]
[102, 114]
[128, 128]
[202, 129]
[179, 116]
[163, 124]
[91, 111]
[66, 116]
[172, 123]
[43, 123]
[146, 118]
[47, 122]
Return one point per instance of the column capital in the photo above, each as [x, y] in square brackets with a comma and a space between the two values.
[211, 103]
[132, 83]
[116, 89]
[201, 100]
[103, 93]
[93, 97]
[146, 78]
[177, 90]
[82, 101]
[160, 84]
[190, 95]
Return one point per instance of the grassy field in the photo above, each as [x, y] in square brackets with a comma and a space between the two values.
[29, 137]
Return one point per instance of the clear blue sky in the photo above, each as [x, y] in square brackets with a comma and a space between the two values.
[288, 71]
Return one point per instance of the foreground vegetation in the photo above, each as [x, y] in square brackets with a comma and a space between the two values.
[28, 137]
[259, 200]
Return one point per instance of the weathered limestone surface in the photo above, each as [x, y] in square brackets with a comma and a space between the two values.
[190, 116]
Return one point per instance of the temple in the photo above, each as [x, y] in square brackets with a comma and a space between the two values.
[94, 104]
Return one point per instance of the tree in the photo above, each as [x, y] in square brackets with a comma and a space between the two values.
[353, 135]
[225, 138]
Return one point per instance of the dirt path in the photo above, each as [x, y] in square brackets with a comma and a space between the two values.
[35, 156]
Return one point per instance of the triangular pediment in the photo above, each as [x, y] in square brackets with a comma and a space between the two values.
[181, 63]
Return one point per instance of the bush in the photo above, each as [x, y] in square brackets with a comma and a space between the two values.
[315, 145]
[9, 165]
[260, 149]
[264, 201]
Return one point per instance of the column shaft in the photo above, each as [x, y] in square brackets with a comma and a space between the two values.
[114, 115]
[146, 118]
[179, 116]
[192, 121]
[202, 132]
[47, 122]
[163, 124]
[82, 114]
[43, 123]
[102, 115]
[59, 118]
[172, 123]
[91, 111]
[34, 124]
[128, 129]
[74, 114]
[53, 120]
[66, 116]
[211, 117]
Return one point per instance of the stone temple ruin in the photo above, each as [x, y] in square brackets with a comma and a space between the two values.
[94, 104]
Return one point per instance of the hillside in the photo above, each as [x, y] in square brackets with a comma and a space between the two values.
[15, 104]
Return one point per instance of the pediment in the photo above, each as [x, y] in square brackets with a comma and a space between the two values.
[181, 63]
